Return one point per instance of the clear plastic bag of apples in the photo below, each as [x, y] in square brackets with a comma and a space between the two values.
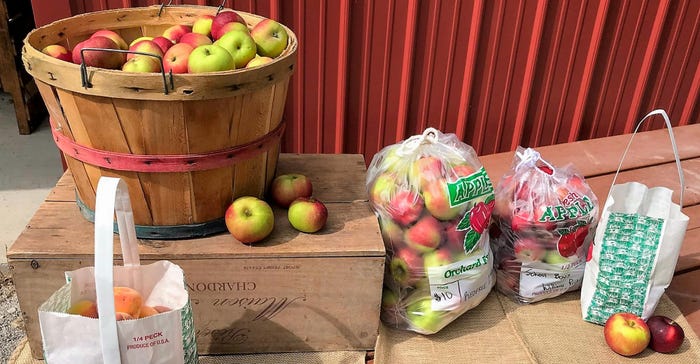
[433, 200]
[544, 222]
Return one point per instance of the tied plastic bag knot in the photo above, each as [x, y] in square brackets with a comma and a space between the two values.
[410, 145]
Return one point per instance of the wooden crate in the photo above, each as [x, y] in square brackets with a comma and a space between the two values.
[294, 292]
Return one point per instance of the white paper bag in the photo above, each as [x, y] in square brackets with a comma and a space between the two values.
[636, 247]
[167, 337]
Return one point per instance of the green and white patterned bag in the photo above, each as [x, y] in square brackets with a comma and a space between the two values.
[636, 247]
[167, 337]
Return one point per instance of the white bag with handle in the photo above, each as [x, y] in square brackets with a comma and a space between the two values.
[636, 247]
[166, 337]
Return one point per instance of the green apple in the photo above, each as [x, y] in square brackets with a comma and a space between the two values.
[553, 257]
[270, 37]
[202, 24]
[240, 45]
[288, 187]
[406, 267]
[142, 64]
[422, 317]
[307, 214]
[209, 58]
[249, 219]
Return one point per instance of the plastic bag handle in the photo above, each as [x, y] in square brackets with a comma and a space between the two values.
[673, 145]
[112, 196]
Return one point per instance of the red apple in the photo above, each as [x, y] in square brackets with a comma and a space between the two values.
[163, 42]
[405, 207]
[113, 36]
[175, 59]
[406, 267]
[258, 61]
[222, 19]
[626, 333]
[195, 39]
[288, 187]
[666, 335]
[249, 219]
[425, 235]
[142, 64]
[240, 45]
[202, 24]
[145, 46]
[426, 169]
[270, 37]
[307, 214]
[454, 239]
[459, 171]
[175, 32]
[528, 250]
[437, 200]
[209, 58]
[101, 59]
[58, 51]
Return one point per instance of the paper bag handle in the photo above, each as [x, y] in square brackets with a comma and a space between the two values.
[112, 196]
[673, 145]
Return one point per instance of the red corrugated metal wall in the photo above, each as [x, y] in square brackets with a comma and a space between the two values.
[497, 73]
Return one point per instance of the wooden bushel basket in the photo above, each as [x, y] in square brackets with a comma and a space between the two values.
[186, 145]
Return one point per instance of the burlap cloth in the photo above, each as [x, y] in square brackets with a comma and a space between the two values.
[501, 331]
[496, 331]
[23, 355]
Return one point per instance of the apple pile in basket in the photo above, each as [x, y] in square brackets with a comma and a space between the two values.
[545, 219]
[213, 43]
[433, 200]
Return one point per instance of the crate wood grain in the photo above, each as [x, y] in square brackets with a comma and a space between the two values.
[294, 292]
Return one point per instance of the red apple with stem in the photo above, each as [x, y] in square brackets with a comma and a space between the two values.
[270, 37]
[175, 59]
[626, 333]
[249, 219]
[666, 335]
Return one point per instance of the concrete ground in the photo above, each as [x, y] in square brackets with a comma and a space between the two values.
[30, 165]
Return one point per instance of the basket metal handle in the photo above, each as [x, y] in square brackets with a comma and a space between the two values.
[84, 74]
[163, 5]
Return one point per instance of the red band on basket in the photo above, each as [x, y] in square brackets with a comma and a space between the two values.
[165, 162]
